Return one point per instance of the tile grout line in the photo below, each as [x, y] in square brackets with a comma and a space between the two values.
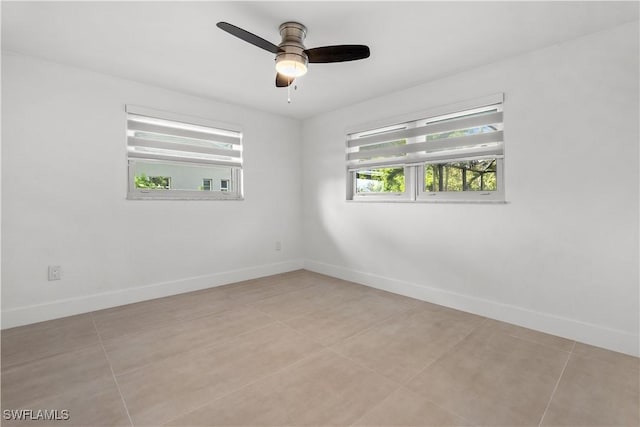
[367, 368]
[113, 375]
[348, 337]
[399, 384]
[180, 320]
[323, 348]
[241, 304]
[404, 384]
[553, 393]
[374, 407]
[196, 350]
[250, 383]
[446, 353]
[540, 343]
[329, 348]
[307, 313]
[373, 325]
[337, 353]
[406, 311]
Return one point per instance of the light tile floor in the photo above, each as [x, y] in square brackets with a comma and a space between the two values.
[305, 349]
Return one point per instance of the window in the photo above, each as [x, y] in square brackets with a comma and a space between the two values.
[454, 153]
[224, 185]
[168, 155]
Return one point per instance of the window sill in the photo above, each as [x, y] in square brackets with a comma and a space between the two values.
[197, 197]
[460, 201]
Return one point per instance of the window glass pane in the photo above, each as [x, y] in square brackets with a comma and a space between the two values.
[176, 176]
[471, 175]
[381, 180]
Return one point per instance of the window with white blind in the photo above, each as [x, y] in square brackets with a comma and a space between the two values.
[453, 153]
[169, 154]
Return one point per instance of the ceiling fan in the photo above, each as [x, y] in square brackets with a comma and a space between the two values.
[292, 56]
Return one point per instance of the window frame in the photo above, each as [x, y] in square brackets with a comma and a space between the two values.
[236, 189]
[415, 169]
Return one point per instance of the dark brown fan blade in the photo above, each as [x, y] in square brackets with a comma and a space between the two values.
[283, 81]
[340, 53]
[248, 37]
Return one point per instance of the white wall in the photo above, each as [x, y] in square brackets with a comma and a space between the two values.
[562, 255]
[64, 188]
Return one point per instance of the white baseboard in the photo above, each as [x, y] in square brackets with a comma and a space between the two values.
[588, 333]
[68, 307]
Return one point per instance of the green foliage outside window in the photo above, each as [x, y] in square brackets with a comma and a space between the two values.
[153, 182]
[383, 180]
[472, 175]
[392, 179]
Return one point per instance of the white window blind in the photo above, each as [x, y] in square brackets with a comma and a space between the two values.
[155, 138]
[471, 134]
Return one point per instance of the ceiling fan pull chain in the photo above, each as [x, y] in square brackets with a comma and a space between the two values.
[288, 90]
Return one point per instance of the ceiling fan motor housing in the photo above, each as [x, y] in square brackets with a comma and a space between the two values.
[292, 56]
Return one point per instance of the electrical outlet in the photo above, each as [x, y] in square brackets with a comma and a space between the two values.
[278, 245]
[55, 272]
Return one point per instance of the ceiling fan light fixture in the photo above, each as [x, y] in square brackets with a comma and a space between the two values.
[292, 57]
[291, 65]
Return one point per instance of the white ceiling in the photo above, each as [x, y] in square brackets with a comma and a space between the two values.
[176, 45]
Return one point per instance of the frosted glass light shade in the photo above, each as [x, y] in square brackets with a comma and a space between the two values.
[291, 68]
